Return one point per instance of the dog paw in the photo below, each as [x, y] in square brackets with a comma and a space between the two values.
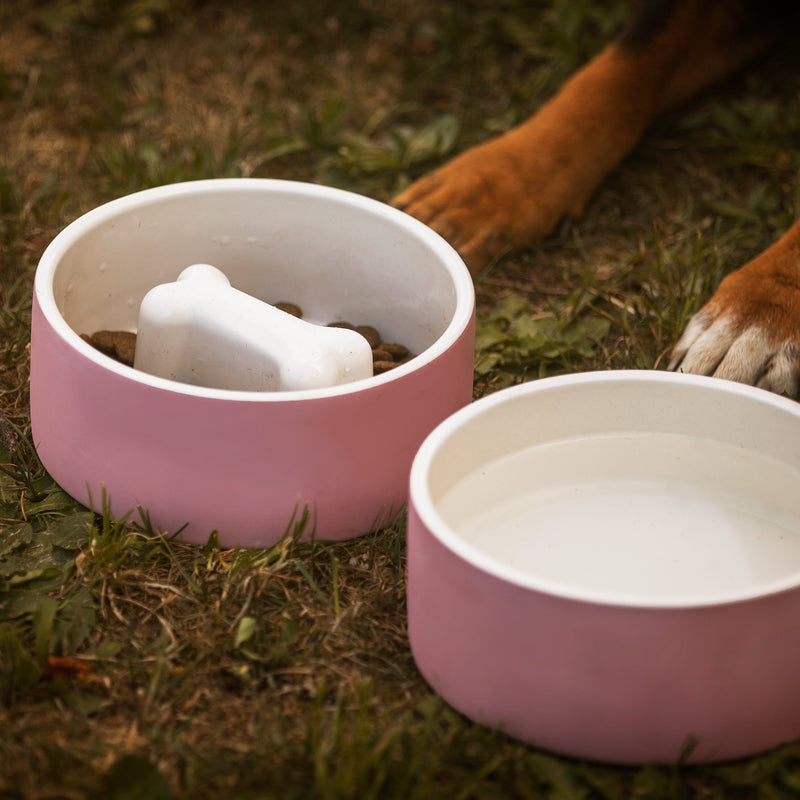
[719, 346]
[515, 189]
[505, 194]
[475, 203]
[750, 329]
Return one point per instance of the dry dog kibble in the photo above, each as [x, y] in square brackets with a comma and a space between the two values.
[370, 334]
[385, 355]
[120, 345]
[382, 366]
[290, 308]
[380, 354]
[399, 352]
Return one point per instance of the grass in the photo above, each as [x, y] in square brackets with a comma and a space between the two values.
[133, 665]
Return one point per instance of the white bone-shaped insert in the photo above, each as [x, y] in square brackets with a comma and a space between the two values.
[202, 331]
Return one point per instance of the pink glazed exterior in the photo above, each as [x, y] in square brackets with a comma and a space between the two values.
[606, 683]
[241, 463]
[609, 682]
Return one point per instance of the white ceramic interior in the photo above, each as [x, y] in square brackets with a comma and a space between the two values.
[631, 544]
[236, 461]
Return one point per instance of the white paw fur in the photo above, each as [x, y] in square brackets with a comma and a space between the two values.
[717, 347]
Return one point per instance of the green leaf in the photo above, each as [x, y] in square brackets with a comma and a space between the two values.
[509, 307]
[84, 703]
[487, 362]
[564, 780]
[584, 333]
[31, 562]
[74, 622]
[43, 579]
[13, 538]
[135, 777]
[490, 334]
[534, 334]
[368, 157]
[513, 344]
[71, 532]
[283, 145]
[57, 500]
[18, 670]
[727, 208]
[34, 564]
[245, 631]
[432, 141]
[16, 603]
[44, 616]
[333, 111]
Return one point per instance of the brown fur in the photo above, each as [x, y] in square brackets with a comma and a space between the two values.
[515, 189]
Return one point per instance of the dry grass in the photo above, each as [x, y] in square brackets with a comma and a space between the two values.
[202, 672]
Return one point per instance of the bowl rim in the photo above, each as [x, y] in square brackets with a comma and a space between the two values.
[421, 502]
[103, 214]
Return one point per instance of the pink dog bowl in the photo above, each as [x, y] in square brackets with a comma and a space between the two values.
[243, 462]
[607, 565]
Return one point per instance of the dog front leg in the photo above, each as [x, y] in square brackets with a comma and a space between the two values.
[514, 190]
[750, 329]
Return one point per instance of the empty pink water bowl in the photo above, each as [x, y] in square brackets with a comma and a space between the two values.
[245, 463]
[607, 566]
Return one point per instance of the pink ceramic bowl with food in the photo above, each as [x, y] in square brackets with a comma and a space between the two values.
[199, 459]
[607, 565]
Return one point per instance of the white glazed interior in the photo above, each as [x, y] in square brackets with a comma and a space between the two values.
[96, 272]
[632, 488]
